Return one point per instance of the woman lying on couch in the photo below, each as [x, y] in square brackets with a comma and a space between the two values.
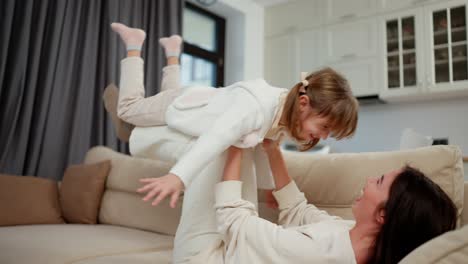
[396, 213]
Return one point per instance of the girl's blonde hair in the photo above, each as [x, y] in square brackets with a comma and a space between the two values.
[329, 96]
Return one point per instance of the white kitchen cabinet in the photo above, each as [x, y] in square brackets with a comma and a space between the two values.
[351, 40]
[351, 48]
[447, 46]
[293, 15]
[392, 5]
[281, 60]
[344, 10]
[361, 75]
[295, 42]
[424, 52]
[287, 55]
[402, 60]
[310, 50]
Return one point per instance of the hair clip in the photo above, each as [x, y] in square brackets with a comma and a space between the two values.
[305, 83]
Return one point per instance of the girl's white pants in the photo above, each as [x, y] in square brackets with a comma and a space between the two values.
[133, 107]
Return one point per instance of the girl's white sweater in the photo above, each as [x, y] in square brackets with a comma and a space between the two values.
[240, 115]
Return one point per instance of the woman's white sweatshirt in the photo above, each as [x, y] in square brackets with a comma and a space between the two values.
[305, 234]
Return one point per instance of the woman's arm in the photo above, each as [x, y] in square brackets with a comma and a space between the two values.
[238, 220]
[246, 234]
[294, 209]
[233, 164]
[244, 231]
[277, 164]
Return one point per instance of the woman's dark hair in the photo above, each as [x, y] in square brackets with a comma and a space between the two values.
[416, 211]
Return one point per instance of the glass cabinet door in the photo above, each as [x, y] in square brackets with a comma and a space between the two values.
[401, 52]
[450, 44]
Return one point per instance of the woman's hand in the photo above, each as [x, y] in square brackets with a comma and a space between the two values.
[161, 187]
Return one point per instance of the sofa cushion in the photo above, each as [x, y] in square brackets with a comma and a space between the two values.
[28, 200]
[127, 209]
[151, 257]
[449, 248]
[71, 243]
[81, 192]
[333, 181]
[121, 204]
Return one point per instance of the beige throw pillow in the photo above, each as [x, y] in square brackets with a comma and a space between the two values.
[449, 248]
[27, 200]
[81, 192]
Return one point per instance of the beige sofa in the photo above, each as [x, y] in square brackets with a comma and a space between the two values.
[131, 231]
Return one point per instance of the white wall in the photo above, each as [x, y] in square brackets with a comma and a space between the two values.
[380, 126]
[244, 38]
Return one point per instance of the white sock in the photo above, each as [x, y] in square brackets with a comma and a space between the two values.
[132, 37]
[171, 45]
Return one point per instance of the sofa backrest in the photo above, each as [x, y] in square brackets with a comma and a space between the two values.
[330, 181]
[121, 204]
[333, 181]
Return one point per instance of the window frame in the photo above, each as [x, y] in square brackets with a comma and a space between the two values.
[216, 57]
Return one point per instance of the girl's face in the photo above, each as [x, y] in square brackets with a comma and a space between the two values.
[368, 206]
[312, 126]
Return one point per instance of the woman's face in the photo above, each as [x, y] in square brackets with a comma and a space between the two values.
[374, 194]
[312, 126]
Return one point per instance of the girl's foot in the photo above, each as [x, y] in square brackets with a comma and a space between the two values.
[132, 37]
[171, 45]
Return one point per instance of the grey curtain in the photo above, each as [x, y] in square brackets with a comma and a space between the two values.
[56, 57]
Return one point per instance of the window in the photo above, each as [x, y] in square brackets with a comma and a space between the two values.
[202, 61]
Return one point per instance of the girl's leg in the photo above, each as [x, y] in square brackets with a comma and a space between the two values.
[171, 73]
[132, 106]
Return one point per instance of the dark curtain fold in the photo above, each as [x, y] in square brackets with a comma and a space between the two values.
[56, 57]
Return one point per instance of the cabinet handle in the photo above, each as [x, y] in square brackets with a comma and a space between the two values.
[418, 2]
[349, 56]
[348, 16]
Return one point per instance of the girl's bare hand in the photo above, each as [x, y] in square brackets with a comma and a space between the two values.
[168, 185]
